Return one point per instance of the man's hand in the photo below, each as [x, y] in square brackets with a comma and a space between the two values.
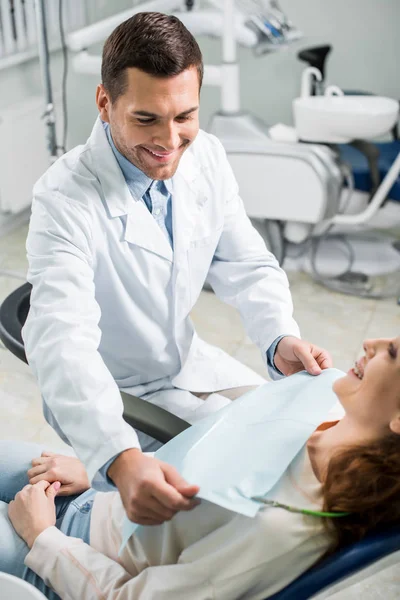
[33, 510]
[69, 471]
[293, 355]
[152, 491]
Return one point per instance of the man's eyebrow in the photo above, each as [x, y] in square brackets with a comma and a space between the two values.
[187, 112]
[144, 113]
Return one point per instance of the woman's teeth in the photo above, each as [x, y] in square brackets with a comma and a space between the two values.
[358, 371]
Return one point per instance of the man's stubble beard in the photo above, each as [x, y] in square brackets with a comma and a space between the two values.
[157, 173]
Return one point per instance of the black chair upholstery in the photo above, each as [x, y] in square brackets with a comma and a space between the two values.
[13, 313]
[153, 420]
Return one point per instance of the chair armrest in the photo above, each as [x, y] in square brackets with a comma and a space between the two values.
[142, 415]
[153, 420]
[13, 313]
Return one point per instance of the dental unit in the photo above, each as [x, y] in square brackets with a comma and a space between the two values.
[309, 193]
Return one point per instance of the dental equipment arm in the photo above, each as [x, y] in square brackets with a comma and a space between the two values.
[97, 32]
[264, 31]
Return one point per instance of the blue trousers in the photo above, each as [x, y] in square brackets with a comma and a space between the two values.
[72, 512]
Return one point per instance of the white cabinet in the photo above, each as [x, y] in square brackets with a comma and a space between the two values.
[23, 153]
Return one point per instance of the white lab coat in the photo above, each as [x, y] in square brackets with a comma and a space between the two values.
[111, 301]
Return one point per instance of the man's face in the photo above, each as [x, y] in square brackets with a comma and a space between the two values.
[155, 120]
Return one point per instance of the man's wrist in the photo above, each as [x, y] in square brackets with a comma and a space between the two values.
[118, 464]
[271, 352]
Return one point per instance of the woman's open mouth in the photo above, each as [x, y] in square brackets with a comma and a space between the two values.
[358, 370]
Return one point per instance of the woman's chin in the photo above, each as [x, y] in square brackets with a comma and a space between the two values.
[345, 386]
[338, 384]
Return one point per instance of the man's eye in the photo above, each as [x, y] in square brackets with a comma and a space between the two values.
[183, 119]
[144, 121]
[392, 351]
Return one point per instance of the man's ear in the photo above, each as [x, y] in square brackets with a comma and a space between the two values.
[395, 424]
[103, 103]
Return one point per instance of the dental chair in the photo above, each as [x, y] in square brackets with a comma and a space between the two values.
[386, 152]
[338, 572]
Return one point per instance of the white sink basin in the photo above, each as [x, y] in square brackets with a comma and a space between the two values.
[340, 119]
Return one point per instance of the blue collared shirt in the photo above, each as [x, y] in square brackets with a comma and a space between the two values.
[157, 195]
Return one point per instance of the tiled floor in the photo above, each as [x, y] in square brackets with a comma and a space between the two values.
[337, 322]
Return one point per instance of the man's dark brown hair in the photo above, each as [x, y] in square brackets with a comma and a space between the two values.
[155, 43]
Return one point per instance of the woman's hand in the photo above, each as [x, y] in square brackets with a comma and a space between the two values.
[33, 510]
[69, 471]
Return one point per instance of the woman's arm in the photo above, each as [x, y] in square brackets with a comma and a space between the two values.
[76, 571]
[262, 554]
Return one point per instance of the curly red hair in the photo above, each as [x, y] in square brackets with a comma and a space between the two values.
[363, 480]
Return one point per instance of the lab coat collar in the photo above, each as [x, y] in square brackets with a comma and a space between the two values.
[141, 228]
[137, 181]
[117, 196]
[116, 192]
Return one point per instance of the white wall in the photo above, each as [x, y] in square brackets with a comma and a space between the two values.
[365, 35]
[19, 82]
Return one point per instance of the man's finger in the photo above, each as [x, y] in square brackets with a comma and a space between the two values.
[39, 461]
[160, 510]
[66, 490]
[323, 358]
[38, 478]
[146, 521]
[178, 482]
[42, 484]
[149, 509]
[48, 453]
[170, 498]
[147, 513]
[36, 471]
[303, 353]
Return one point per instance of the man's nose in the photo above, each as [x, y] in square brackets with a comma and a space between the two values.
[168, 137]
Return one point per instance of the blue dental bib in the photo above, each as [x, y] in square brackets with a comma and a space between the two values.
[242, 450]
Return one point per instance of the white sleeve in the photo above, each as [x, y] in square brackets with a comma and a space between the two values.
[246, 275]
[78, 572]
[62, 333]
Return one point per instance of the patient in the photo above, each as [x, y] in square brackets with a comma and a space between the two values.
[351, 466]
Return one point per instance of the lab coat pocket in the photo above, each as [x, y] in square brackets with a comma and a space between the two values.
[200, 255]
[201, 243]
[205, 232]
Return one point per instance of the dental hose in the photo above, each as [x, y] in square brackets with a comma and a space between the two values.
[346, 282]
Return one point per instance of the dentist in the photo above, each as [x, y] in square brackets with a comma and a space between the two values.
[124, 231]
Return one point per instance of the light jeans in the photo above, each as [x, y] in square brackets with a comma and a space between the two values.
[72, 512]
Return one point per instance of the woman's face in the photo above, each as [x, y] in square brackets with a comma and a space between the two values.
[370, 392]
